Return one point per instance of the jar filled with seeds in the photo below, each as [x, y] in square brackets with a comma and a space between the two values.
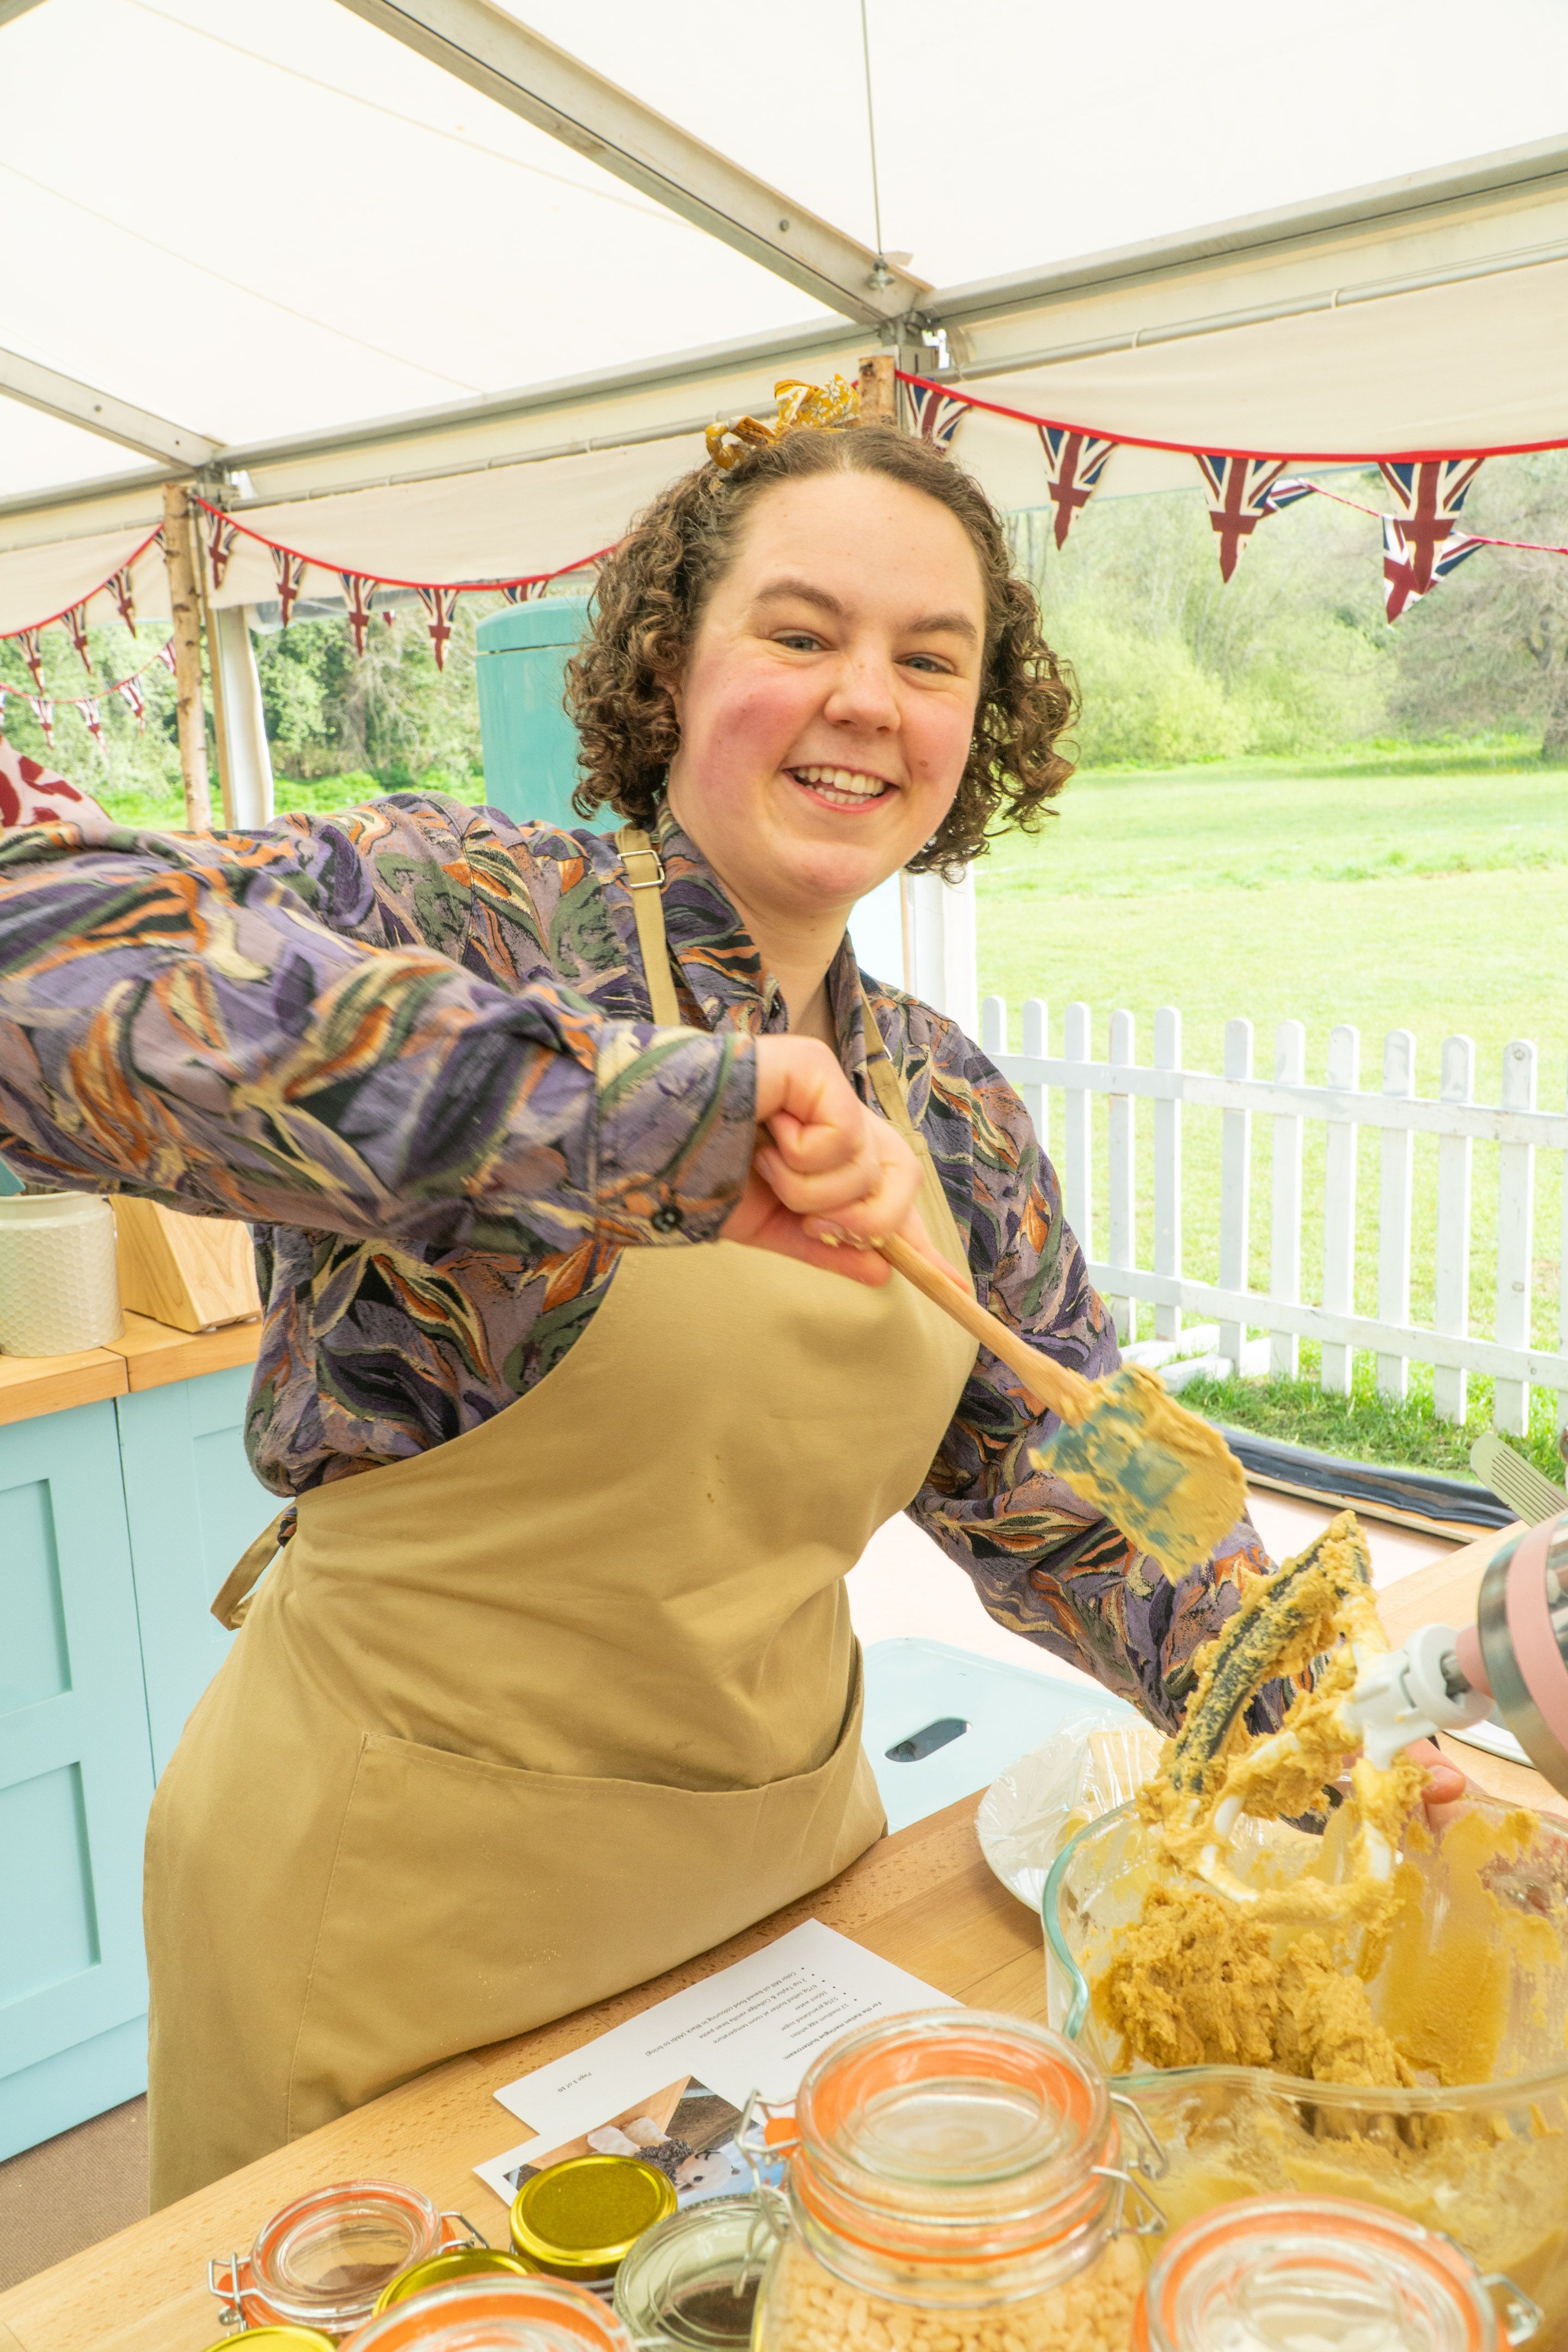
[956, 2184]
[1269, 2272]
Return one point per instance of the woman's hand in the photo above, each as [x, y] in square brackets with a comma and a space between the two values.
[826, 1171]
[1446, 1788]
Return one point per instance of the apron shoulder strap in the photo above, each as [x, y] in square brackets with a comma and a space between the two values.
[889, 1090]
[645, 879]
[885, 1080]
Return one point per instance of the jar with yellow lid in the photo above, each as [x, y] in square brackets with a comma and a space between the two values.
[1322, 2274]
[276, 2340]
[580, 2218]
[455, 2263]
[496, 2315]
[956, 2184]
[323, 2260]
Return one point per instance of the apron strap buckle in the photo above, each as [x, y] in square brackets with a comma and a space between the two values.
[633, 842]
[232, 1598]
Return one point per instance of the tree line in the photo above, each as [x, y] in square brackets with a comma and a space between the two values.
[1291, 657]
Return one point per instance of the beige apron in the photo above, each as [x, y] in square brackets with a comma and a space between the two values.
[546, 1710]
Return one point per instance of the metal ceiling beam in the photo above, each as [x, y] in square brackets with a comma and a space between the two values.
[100, 412]
[484, 46]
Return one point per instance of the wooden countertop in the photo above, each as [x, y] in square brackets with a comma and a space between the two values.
[923, 1899]
[147, 1355]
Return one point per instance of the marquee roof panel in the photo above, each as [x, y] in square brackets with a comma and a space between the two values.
[270, 226]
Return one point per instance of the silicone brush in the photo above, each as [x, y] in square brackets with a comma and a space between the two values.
[1158, 1472]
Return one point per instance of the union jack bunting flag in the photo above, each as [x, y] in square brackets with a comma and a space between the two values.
[76, 625]
[935, 415]
[518, 591]
[129, 690]
[357, 594]
[165, 654]
[1237, 489]
[1428, 492]
[44, 712]
[1073, 464]
[221, 538]
[92, 717]
[33, 654]
[1399, 573]
[118, 587]
[440, 605]
[291, 571]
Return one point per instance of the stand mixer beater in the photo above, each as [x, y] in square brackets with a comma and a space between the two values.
[1515, 1657]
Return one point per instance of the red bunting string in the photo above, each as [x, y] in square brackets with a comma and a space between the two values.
[44, 705]
[1421, 543]
[358, 589]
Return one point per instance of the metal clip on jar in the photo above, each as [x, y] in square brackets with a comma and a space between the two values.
[1277, 2271]
[580, 2218]
[955, 2185]
[496, 2315]
[323, 2261]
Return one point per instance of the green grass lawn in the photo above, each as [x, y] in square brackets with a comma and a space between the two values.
[1399, 889]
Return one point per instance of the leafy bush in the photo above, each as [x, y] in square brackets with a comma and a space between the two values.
[1145, 699]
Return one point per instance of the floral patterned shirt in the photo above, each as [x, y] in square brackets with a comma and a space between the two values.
[412, 1045]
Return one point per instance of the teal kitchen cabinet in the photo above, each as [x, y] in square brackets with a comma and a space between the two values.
[119, 1520]
[76, 1776]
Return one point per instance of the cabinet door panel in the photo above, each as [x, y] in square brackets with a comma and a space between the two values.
[75, 1766]
[194, 1505]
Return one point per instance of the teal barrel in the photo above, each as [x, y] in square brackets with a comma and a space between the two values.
[530, 744]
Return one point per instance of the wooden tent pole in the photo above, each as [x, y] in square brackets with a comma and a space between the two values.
[185, 605]
[880, 388]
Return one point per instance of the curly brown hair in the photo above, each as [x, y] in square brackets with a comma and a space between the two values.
[653, 589]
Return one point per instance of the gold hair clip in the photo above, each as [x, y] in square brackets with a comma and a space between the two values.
[835, 403]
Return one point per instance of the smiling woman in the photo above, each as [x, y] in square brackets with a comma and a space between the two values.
[548, 1679]
[860, 573]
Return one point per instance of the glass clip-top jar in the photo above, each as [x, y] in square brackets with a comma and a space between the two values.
[690, 2285]
[322, 2261]
[496, 2315]
[956, 2184]
[1307, 2274]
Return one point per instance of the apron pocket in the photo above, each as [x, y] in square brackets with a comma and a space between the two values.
[471, 1901]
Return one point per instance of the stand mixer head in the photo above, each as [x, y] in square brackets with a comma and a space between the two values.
[1515, 1657]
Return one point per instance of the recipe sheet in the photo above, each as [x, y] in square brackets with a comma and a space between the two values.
[669, 2084]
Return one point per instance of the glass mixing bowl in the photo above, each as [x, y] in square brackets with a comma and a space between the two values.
[1486, 2163]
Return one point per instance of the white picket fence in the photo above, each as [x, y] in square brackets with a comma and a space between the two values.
[1286, 1101]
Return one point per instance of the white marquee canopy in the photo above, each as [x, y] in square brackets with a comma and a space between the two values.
[307, 255]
